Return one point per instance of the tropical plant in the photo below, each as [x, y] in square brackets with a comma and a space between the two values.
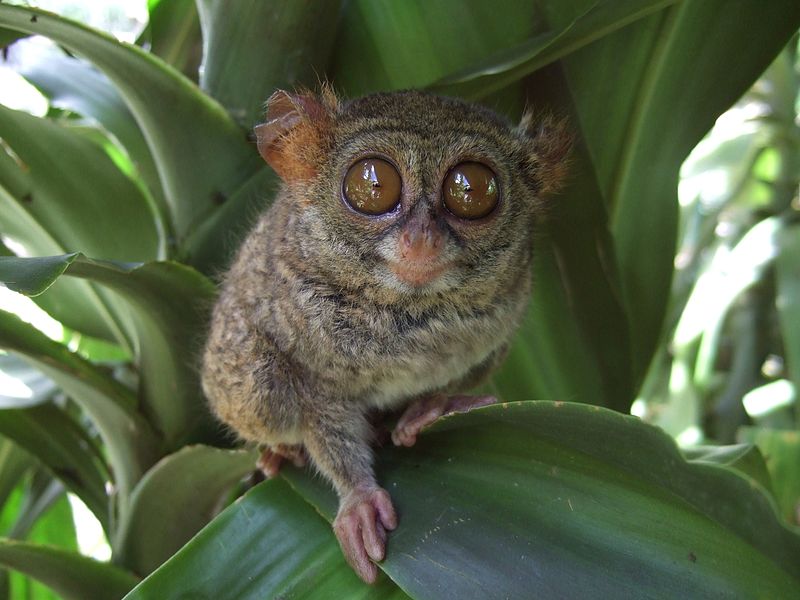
[120, 207]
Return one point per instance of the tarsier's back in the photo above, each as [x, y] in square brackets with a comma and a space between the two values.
[390, 272]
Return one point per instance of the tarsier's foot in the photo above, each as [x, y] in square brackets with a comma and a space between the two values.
[364, 517]
[425, 411]
[272, 456]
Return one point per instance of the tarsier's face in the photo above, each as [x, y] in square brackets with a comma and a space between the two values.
[420, 194]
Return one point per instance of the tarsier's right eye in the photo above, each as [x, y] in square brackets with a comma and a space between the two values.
[372, 186]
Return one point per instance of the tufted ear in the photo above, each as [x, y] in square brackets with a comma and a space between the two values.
[296, 132]
[550, 141]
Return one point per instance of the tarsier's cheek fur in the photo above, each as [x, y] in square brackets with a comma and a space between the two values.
[328, 314]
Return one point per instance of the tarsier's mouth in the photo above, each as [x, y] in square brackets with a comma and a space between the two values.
[418, 273]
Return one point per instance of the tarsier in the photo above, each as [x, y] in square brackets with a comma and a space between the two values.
[389, 273]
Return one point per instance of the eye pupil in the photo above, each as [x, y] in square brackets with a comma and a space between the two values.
[470, 190]
[372, 186]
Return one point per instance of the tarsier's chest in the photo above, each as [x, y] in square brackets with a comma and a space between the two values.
[391, 359]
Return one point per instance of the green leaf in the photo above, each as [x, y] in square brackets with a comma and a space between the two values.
[23, 386]
[781, 451]
[269, 544]
[166, 303]
[676, 80]
[72, 84]
[572, 501]
[14, 463]
[592, 20]
[253, 47]
[77, 193]
[130, 442]
[64, 448]
[61, 193]
[548, 357]
[743, 457]
[198, 149]
[173, 34]
[787, 273]
[174, 500]
[67, 573]
[385, 45]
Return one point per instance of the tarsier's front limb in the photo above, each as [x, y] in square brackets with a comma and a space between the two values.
[337, 438]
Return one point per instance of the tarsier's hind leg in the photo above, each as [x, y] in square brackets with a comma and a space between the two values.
[273, 456]
[424, 411]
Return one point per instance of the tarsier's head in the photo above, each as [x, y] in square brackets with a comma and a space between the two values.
[410, 192]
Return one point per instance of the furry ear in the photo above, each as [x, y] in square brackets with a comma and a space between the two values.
[295, 133]
[550, 141]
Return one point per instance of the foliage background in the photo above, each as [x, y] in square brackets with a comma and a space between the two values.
[669, 292]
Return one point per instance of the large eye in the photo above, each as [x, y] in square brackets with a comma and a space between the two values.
[372, 186]
[470, 190]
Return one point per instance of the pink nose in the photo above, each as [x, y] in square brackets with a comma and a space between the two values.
[421, 241]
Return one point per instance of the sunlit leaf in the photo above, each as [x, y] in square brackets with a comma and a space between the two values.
[63, 447]
[71, 575]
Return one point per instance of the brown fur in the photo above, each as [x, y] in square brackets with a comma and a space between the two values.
[311, 332]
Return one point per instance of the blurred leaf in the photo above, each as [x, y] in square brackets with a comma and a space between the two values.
[127, 437]
[548, 357]
[592, 20]
[44, 518]
[167, 303]
[66, 194]
[77, 194]
[9, 36]
[23, 386]
[174, 500]
[573, 501]
[253, 47]
[787, 273]
[72, 84]
[647, 73]
[781, 451]
[282, 545]
[14, 462]
[745, 458]
[198, 149]
[69, 574]
[62, 446]
[173, 34]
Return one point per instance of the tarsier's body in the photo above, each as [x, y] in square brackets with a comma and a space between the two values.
[347, 300]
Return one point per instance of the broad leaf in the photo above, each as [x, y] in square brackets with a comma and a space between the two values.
[645, 96]
[199, 151]
[62, 193]
[130, 442]
[592, 20]
[69, 574]
[64, 448]
[781, 450]
[23, 386]
[269, 544]
[253, 47]
[173, 34]
[788, 299]
[568, 500]
[167, 303]
[72, 84]
[174, 500]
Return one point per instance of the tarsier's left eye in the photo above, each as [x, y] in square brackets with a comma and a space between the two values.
[470, 190]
